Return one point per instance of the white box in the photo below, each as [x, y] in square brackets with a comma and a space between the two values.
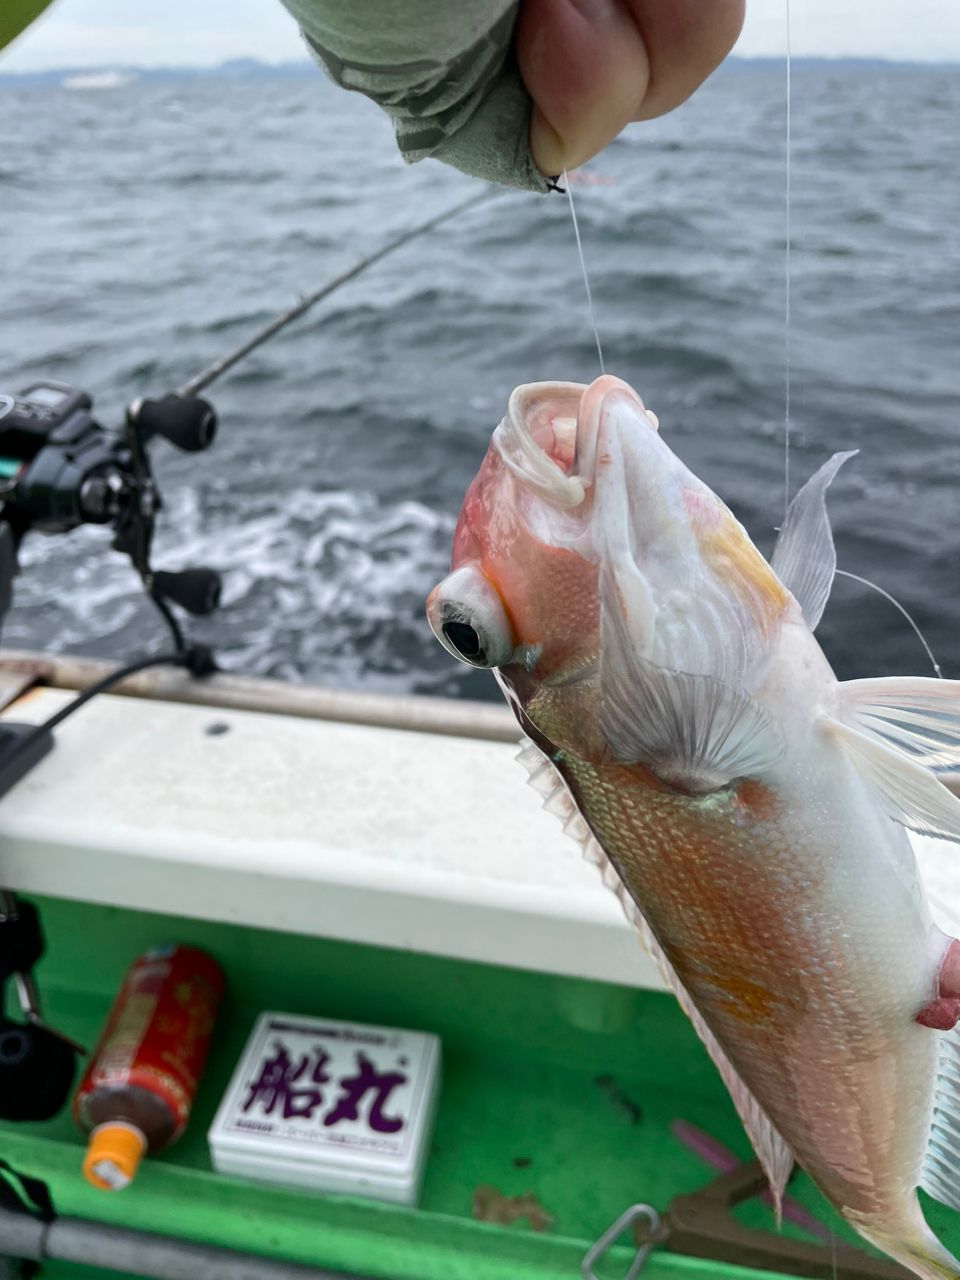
[332, 1106]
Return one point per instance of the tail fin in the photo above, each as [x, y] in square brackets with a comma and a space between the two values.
[914, 1246]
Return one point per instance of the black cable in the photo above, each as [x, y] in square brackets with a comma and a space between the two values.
[198, 659]
[170, 619]
[107, 681]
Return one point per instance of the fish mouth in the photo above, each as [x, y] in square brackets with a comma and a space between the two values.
[551, 430]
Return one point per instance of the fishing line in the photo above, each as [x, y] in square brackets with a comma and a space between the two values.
[583, 268]
[788, 244]
[897, 605]
[787, 362]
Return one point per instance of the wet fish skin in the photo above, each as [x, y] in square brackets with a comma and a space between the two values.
[740, 798]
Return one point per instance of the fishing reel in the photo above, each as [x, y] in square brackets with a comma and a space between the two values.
[37, 1063]
[59, 468]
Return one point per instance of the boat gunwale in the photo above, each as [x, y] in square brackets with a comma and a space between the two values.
[417, 713]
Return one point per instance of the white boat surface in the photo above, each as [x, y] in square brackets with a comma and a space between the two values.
[398, 821]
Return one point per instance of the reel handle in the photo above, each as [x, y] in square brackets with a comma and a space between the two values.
[196, 590]
[188, 422]
[37, 1065]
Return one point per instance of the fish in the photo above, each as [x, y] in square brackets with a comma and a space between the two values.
[749, 810]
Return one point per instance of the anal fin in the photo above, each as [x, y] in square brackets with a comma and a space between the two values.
[907, 791]
[772, 1151]
[913, 714]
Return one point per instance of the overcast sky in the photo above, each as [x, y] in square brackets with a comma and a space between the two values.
[155, 32]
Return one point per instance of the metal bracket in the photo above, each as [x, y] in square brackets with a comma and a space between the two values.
[612, 1234]
[699, 1225]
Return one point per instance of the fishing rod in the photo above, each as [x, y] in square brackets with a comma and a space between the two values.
[59, 469]
[206, 376]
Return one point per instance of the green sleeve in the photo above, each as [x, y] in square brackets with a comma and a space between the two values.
[443, 70]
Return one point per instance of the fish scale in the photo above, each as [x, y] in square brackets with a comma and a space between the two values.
[746, 808]
[779, 1019]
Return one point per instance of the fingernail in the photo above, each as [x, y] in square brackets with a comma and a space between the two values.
[546, 145]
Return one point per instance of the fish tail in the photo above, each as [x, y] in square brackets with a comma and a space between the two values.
[913, 1244]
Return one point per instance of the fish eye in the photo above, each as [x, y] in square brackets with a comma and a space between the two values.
[465, 640]
[468, 618]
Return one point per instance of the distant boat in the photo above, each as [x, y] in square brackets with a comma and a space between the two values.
[98, 80]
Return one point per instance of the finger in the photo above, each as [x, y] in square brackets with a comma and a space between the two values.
[585, 66]
[685, 41]
[592, 66]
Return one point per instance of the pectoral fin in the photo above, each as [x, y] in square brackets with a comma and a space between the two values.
[804, 558]
[694, 730]
[772, 1152]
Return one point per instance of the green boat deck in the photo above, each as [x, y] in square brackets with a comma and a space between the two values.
[555, 1086]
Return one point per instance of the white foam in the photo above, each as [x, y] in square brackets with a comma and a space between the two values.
[326, 585]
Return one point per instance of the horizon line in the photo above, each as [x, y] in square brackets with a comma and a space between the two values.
[307, 63]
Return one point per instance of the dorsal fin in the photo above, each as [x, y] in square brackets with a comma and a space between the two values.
[773, 1153]
[804, 558]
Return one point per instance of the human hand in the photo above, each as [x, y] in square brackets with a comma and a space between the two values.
[592, 66]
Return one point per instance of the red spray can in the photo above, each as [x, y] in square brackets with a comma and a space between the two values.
[137, 1091]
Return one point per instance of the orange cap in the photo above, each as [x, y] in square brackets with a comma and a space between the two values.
[114, 1152]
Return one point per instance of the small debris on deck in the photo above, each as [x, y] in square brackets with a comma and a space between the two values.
[491, 1205]
[622, 1101]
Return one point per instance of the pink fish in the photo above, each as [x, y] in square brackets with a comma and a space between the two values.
[747, 808]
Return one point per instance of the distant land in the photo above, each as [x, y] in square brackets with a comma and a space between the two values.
[235, 69]
[737, 63]
[111, 75]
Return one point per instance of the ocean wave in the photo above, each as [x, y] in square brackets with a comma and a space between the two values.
[346, 444]
[322, 580]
